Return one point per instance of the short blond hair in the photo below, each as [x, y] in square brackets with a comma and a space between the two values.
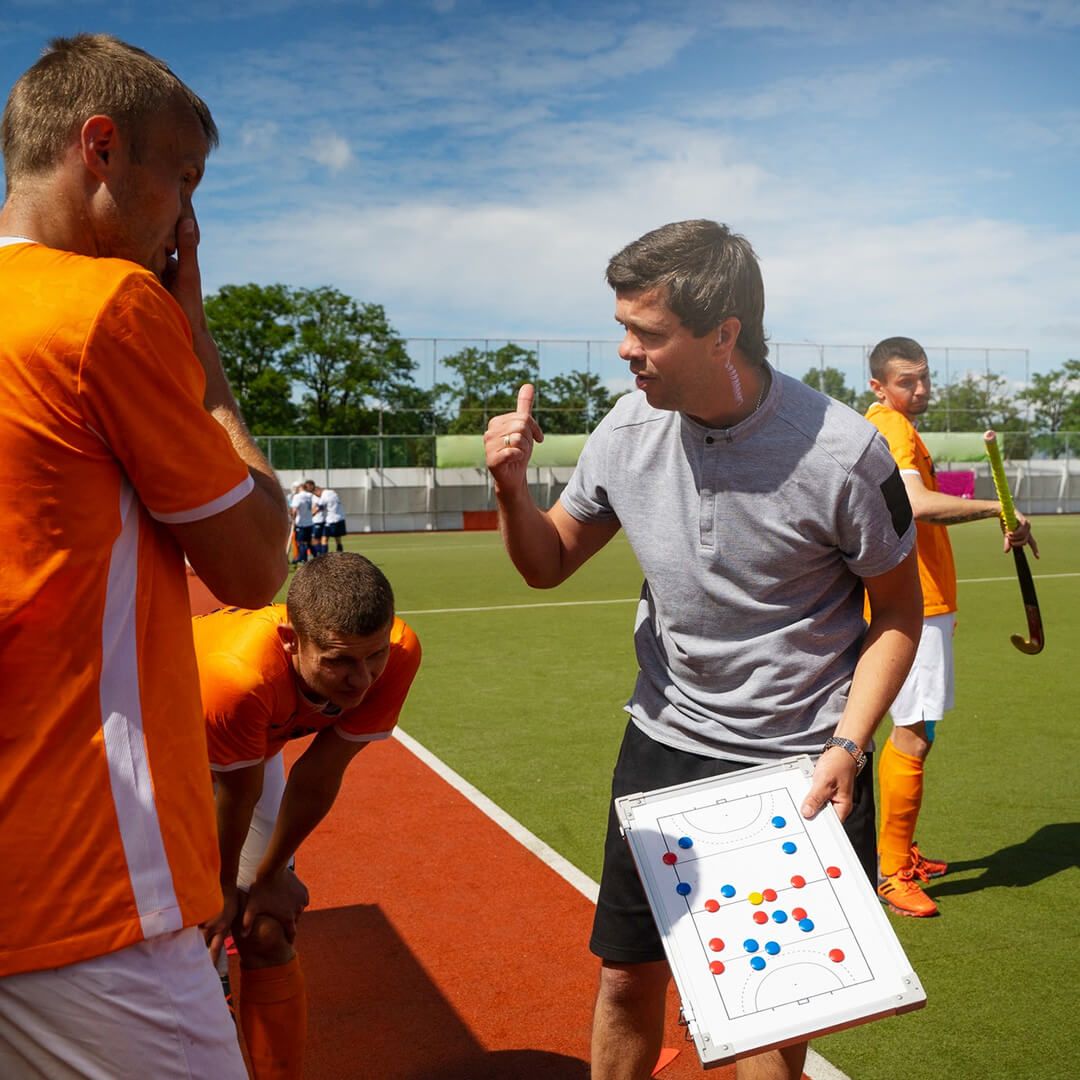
[80, 77]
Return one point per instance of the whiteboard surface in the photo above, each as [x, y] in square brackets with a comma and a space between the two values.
[771, 928]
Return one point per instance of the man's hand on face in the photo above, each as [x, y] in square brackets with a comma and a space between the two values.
[182, 276]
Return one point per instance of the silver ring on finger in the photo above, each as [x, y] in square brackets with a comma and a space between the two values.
[506, 440]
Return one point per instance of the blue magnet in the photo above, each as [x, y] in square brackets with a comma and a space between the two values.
[750, 945]
[727, 891]
[772, 948]
[788, 847]
[757, 963]
[779, 822]
[806, 925]
[779, 916]
[685, 842]
[683, 888]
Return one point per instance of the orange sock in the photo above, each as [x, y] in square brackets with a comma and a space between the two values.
[900, 778]
[273, 1017]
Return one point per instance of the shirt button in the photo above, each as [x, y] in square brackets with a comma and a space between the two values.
[709, 439]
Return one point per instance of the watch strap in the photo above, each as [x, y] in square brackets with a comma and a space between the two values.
[849, 747]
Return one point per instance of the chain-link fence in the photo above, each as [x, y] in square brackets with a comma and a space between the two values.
[465, 398]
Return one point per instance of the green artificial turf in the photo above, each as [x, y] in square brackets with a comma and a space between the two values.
[526, 703]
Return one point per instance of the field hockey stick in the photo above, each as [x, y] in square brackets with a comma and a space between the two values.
[1034, 643]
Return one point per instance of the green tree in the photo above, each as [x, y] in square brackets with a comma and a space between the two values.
[252, 327]
[572, 403]
[1055, 403]
[1055, 399]
[831, 381]
[486, 383]
[347, 361]
[975, 403]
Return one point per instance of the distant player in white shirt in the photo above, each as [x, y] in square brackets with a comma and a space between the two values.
[303, 507]
[335, 526]
[318, 525]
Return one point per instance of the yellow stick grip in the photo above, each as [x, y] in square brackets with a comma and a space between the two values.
[1001, 485]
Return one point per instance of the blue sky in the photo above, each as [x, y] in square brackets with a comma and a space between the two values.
[901, 168]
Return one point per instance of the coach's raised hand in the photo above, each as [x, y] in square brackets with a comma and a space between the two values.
[509, 439]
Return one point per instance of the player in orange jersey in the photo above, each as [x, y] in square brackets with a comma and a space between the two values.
[900, 379]
[333, 661]
[117, 421]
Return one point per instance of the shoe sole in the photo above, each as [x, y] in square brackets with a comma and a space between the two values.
[911, 914]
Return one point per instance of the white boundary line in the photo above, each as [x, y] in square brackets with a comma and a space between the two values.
[635, 599]
[817, 1068]
[519, 607]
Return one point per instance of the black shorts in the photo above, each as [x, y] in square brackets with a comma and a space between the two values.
[623, 928]
[335, 528]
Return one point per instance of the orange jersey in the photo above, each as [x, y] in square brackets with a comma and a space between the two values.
[107, 827]
[250, 696]
[937, 572]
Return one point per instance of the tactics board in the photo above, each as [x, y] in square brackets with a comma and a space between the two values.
[771, 928]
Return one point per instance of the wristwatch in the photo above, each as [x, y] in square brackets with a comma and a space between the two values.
[849, 748]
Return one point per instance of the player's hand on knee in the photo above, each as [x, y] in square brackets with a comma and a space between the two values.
[282, 896]
[217, 929]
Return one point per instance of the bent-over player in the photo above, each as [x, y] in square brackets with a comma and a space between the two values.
[759, 511]
[900, 379]
[333, 661]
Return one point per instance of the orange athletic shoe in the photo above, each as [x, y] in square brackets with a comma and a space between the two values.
[925, 868]
[900, 893]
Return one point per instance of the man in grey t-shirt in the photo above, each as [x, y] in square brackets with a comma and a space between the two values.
[759, 511]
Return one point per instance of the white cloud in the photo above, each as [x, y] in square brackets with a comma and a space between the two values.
[332, 151]
[476, 170]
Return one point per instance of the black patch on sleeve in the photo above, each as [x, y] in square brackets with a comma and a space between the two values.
[896, 499]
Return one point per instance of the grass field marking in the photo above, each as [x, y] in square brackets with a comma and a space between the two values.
[391, 546]
[548, 855]
[518, 607]
[1041, 577]
[635, 599]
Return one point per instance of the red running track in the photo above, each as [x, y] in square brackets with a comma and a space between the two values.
[437, 947]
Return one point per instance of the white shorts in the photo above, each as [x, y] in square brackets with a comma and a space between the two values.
[154, 1009]
[928, 691]
[263, 820]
